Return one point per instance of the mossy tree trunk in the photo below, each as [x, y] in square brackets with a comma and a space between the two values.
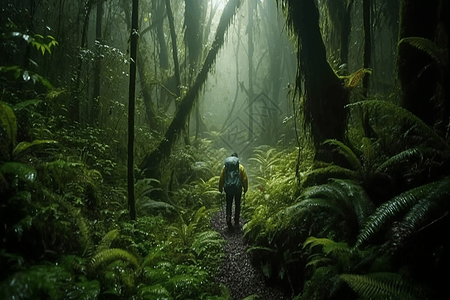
[325, 97]
[152, 162]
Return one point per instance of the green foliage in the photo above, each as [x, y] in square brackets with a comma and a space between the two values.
[428, 46]
[9, 123]
[108, 255]
[48, 282]
[383, 286]
[417, 202]
[405, 117]
[183, 234]
[19, 172]
[44, 44]
[26, 75]
[344, 203]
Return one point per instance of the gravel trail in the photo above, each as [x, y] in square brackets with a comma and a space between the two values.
[237, 272]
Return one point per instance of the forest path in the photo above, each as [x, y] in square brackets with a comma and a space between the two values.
[237, 272]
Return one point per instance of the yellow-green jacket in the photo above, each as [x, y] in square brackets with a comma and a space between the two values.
[243, 178]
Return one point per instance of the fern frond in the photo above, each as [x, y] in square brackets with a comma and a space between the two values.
[252, 297]
[145, 187]
[109, 255]
[148, 205]
[347, 153]
[107, 240]
[435, 202]
[156, 291]
[357, 197]
[381, 286]
[155, 255]
[428, 46]
[405, 115]
[353, 79]
[406, 155]
[207, 240]
[296, 211]
[152, 276]
[324, 191]
[394, 207]
[260, 248]
[328, 245]
[322, 175]
[318, 259]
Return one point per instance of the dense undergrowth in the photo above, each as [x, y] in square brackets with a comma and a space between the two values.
[368, 223]
[365, 221]
[65, 225]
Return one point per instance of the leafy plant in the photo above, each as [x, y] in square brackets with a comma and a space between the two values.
[384, 286]
[416, 206]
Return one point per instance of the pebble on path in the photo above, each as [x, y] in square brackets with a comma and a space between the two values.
[237, 272]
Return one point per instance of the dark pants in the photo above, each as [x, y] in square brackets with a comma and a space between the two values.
[237, 207]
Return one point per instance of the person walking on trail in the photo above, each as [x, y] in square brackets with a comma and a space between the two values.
[233, 180]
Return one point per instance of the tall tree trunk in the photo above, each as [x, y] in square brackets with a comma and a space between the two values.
[324, 96]
[367, 12]
[174, 46]
[251, 7]
[131, 106]
[151, 163]
[163, 56]
[75, 105]
[96, 93]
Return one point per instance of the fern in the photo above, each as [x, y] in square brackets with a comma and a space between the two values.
[428, 46]
[145, 187]
[109, 255]
[400, 204]
[85, 233]
[434, 204]
[9, 123]
[154, 256]
[405, 115]
[151, 275]
[322, 175]
[44, 282]
[107, 240]
[348, 154]
[406, 155]
[206, 241]
[183, 233]
[156, 291]
[382, 286]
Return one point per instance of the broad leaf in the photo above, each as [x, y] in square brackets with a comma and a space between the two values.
[8, 122]
[22, 171]
[25, 145]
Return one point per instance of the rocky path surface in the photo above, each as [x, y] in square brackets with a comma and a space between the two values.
[237, 272]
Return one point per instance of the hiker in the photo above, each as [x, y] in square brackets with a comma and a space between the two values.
[232, 180]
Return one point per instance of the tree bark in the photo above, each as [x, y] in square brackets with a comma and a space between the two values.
[152, 162]
[131, 107]
[324, 96]
[367, 12]
[96, 92]
[174, 46]
[250, 49]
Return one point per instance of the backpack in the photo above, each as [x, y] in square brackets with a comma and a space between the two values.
[232, 182]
